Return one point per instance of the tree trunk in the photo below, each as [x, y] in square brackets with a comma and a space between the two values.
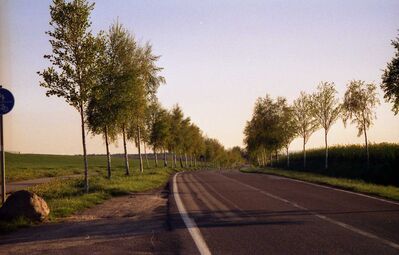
[181, 160]
[366, 142]
[155, 157]
[186, 160]
[165, 160]
[145, 155]
[276, 157]
[108, 154]
[304, 154]
[325, 140]
[288, 157]
[271, 159]
[195, 161]
[174, 160]
[367, 148]
[86, 174]
[125, 151]
[138, 147]
[263, 158]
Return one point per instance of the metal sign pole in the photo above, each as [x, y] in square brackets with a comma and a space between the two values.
[2, 163]
[6, 105]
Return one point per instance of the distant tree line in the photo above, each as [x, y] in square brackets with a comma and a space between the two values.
[112, 81]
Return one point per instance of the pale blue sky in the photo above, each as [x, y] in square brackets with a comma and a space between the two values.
[219, 56]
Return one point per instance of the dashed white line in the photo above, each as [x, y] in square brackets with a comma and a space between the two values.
[339, 223]
[190, 223]
[336, 189]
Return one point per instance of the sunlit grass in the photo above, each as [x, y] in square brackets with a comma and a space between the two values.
[390, 192]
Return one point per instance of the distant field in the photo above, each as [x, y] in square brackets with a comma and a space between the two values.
[30, 166]
[350, 162]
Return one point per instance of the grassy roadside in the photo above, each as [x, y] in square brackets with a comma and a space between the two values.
[65, 197]
[389, 192]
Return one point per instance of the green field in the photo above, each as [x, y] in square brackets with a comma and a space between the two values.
[384, 191]
[350, 162]
[30, 166]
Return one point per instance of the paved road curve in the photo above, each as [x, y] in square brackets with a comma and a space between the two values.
[234, 213]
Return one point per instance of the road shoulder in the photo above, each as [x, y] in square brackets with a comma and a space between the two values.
[133, 223]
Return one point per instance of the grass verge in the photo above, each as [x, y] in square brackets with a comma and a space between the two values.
[390, 192]
[65, 197]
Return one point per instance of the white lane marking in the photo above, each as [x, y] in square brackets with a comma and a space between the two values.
[337, 189]
[190, 223]
[339, 223]
[228, 201]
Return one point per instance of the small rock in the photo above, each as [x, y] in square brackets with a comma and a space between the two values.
[26, 204]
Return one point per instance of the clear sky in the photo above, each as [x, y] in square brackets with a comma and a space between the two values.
[219, 56]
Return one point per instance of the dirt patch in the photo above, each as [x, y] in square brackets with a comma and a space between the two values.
[133, 224]
[135, 205]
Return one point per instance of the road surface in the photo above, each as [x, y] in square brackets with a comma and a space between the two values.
[222, 213]
[235, 213]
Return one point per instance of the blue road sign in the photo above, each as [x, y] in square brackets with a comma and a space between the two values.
[6, 101]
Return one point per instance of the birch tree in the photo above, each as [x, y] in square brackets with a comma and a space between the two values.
[288, 127]
[326, 109]
[305, 120]
[74, 60]
[158, 129]
[359, 102]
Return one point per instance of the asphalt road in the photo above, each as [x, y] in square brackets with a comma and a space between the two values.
[235, 213]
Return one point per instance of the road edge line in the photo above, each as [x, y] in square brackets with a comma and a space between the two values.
[328, 219]
[326, 186]
[190, 223]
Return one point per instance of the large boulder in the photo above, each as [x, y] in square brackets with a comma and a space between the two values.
[24, 203]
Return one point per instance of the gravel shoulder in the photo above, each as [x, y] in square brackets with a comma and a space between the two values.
[136, 223]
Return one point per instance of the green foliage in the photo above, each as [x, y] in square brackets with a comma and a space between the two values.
[176, 118]
[359, 102]
[390, 79]
[325, 105]
[349, 161]
[272, 127]
[158, 126]
[75, 53]
[304, 118]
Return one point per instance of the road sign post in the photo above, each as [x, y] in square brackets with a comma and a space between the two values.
[6, 105]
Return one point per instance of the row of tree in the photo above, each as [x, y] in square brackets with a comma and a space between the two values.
[275, 123]
[112, 81]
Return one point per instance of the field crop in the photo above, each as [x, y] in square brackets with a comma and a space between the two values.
[350, 162]
[30, 166]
